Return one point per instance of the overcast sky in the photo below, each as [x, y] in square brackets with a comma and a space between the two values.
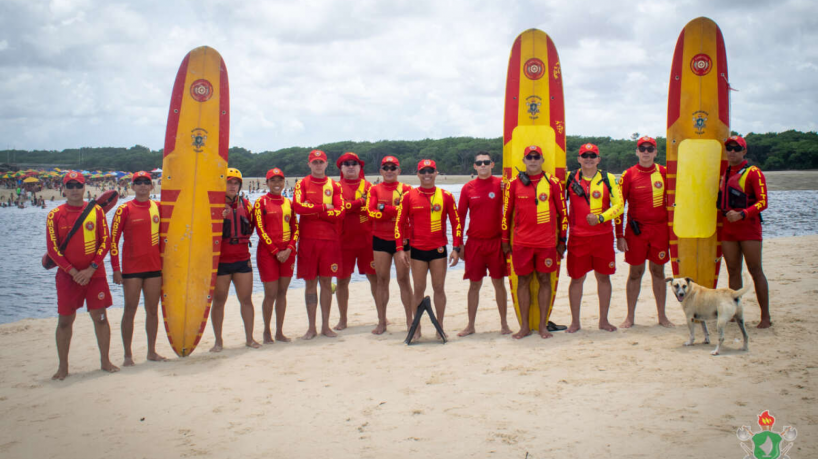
[79, 73]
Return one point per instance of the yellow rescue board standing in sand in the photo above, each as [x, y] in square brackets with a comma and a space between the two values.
[193, 187]
[698, 122]
[534, 115]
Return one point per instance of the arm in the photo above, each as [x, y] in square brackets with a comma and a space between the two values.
[300, 204]
[625, 184]
[248, 209]
[508, 210]
[454, 219]
[258, 217]
[616, 201]
[558, 201]
[759, 185]
[120, 217]
[400, 221]
[338, 211]
[293, 232]
[53, 244]
[102, 236]
[357, 204]
[463, 204]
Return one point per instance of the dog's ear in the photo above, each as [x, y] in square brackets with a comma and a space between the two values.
[669, 279]
[689, 280]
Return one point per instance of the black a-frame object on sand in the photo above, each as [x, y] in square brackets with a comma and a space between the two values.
[425, 305]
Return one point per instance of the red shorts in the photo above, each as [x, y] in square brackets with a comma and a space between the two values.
[528, 259]
[651, 244]
[364, 257]
[318, 257]
[269, 268]
[71, 295]
[742, 230]
[587, 253]
[481, 255]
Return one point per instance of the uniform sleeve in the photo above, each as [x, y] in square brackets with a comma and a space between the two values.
[558, 200]
[248, 209]
[337, 213]
[508, 210]
[758, 183]
[463, 204]
[53, 243]
[625, 185]
[261, 229]
[400, 221]
[293, 232]
[300, 203]
[616, 200]
[372, 205]
[357, 204]
[102, 236]
[120, 217]
[454, 219]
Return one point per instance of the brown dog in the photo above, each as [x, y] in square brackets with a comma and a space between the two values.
[701, 304]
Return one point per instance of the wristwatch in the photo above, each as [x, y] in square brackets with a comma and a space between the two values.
[601, 219]
[743, 215]
[456, 249]
[94, 265]
[381, 206]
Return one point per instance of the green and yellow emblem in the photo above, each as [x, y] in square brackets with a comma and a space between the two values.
[766, 443]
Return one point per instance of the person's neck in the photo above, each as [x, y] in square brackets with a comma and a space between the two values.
[144, 198]
[736, 164]
[646, 164]
[427, 187]
[589, 172]
[322, 177]
[533, 174]
[390, 182]
[230, 200]
[275, 195]
[486, 177]
[353, 179]
[75, 202]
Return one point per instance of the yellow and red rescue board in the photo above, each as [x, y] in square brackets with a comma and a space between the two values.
[698, 121]
[193, 186]
[534, 115]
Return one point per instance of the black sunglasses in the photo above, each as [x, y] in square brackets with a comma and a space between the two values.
[350, 163]
[485, 162]
[426, 170]
[389, 168]
[74, 185]
[589, 155]
[533, 157]
[646, 149]
[141, 182]
[734, 147]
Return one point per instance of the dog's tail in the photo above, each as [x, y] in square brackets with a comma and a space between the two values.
[747, 285]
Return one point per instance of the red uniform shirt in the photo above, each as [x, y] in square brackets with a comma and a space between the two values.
[138, 222]
[484, 199]
[383, 221]
[356, 230]
[276, 224]
[645, 191]
[601, 201]
[538, 211]
[232, 253]
[750, 181]
[310, 201]
[88, 244]
[425, 211]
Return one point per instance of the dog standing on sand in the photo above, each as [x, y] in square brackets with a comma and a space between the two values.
[701, 304]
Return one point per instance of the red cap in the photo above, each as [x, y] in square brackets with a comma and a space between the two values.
[424, 163]
[390, 159]
[645, 139]
[533, 148]
[275, 172]
[737, 139]
[140, 174]
[75, 176]
[350, 156]
[318, 154]
[588, 148]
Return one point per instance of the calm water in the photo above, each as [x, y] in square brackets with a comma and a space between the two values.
[27, 290]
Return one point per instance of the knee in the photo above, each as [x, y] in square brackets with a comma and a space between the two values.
[64, 323]
[755, 271]
[475, 286]
[603, 280]
[636, 273]
[658, 272]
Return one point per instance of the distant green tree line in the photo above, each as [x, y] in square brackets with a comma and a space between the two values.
[454, 155]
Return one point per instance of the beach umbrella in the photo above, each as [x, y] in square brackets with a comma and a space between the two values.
[31, 180]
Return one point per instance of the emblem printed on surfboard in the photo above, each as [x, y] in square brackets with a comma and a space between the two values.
[701, 64]
[534, 68]
[199, 137]
[700, 121]
[533, 103]
[201, 90]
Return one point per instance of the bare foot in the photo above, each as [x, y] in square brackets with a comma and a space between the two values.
[466, 331]
[157, 358]
[504, 330]
[417, 335]
[128, 362]
[765, 323]
[342, 324]
[61, 374]
[253, 344]
[545, 334]
[607, 326]
[329, 333]
[268, 338]
[524, 331]
[628, 323]
[379, 330]
[216, 348]
[109, 367]
[310, 334]
[574, 327]
[282, 338]
[444, 334]
[665, 322]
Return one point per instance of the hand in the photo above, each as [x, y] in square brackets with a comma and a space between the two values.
[733, 216]
[330, 207]
[118, 277]
[561, 249]
[84, 276]
[622, 244]
[402, 258]
[592, 219]
[283, 255]
[454, 257]
[506, 247]
[225, 212]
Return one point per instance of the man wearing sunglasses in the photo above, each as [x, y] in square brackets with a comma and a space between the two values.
[319, 201]
[742, 198]
[595, 200]
[81, 277]
[137, 221]
[382, 203]
[424, 211]
[644, 188]
[483, 198]
[356, 232]
[536, 204]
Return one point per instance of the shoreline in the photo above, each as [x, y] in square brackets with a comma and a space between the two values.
[590, 394]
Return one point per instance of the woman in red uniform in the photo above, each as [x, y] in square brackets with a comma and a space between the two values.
[141, 272]
[277, 230]
[234, 261]
[742, 198]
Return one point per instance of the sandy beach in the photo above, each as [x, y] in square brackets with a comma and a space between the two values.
[634, 393]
